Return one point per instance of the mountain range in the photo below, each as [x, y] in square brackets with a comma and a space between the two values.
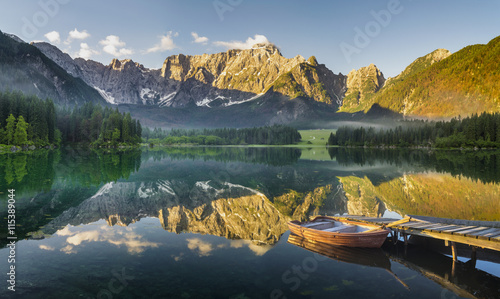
[257, 86]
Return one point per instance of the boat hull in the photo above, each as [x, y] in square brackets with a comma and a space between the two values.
[372, 239]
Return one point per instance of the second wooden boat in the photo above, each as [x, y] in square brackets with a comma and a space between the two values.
[336, 231]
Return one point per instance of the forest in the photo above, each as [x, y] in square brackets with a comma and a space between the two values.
[30, 121]
[481, 131]
[269, 135]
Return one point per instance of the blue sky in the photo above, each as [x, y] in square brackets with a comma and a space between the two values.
[344, 35]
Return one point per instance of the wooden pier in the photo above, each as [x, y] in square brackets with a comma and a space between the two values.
[478, 234]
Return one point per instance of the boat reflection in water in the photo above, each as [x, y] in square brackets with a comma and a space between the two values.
[461, 278]
[372, 257]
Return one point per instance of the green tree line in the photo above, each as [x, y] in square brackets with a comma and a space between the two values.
[481, 131]
[28, 120]
[94, 124]
[269, 135]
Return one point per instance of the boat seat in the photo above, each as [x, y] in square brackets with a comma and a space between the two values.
[315, 224]
[341, 228]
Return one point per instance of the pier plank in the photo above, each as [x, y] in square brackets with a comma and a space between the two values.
[494, 245]
[429, 226]
[442, 227]
[484, 232]
[457, 221]
[468, 231]
[492, 234]
[448, 227]
[414, 224]
[450, 231]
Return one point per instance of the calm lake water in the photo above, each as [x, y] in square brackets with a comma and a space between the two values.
[211, 222]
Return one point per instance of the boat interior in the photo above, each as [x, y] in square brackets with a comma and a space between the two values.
[336, 226]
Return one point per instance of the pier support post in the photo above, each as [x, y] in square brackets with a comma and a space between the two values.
[395, 236]
[454, 251]
[473, 256]
[405, 238]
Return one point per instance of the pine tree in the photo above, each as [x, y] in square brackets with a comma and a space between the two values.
[10, 128]
[138, 130]
[126, 128]
[21, 135]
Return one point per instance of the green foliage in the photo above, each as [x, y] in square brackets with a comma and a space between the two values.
[288, 202]
[38, 119]
[476, 131]
[273, 135]
[101, 127]
[115, 135]
[40, 124]
[21, 135]
[287, 84]
[10, 129]
[466, 82]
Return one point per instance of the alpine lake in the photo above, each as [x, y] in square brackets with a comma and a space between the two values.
[211, 222]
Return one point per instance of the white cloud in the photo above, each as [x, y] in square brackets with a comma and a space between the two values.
[199, 39]
[75, 34]
[257, 249]
[68, 249]
[114, 46]
[85, 51]
[65, 231]
[203, 248]
[54, 37]
[134, 242]
[166, 43]
[84, 236]
[46, 247]
[257, 39]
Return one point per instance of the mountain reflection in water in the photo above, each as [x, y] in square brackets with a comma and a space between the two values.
[195, 209]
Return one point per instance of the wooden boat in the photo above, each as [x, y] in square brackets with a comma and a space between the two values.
[340, 232]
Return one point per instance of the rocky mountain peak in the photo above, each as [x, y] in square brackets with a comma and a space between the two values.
[27, 69]
[312, 61]
[62, 59]
[421, 63]
[14, 37]
[361, 85]
[210, 80]
[438, 55]
[120, 65]
[269, 47]
[365, 79]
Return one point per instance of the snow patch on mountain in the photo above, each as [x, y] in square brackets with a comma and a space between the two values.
[165, 101]
[104, 190]
[230, 103]
[165, 186]
[110, 99]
